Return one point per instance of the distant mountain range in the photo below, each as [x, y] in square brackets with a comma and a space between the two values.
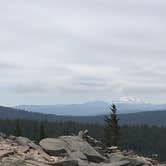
[91, 108]
[149, 117]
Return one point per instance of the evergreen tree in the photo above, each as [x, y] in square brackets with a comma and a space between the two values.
[112, 128]
[18, 131]
[42, 132]
[35, 131]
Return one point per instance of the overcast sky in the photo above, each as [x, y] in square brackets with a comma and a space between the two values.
[71, 51]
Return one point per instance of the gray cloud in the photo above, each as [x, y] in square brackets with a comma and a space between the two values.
[29, 89]
[8, 66]
[146, 89]
[57, 51]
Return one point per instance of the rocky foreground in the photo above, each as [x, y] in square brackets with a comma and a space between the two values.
[81, 150]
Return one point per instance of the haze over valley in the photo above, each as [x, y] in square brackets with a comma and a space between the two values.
[91, 108]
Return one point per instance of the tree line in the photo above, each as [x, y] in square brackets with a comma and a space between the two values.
[145, 140]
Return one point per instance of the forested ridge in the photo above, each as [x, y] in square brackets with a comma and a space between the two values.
[157, 118]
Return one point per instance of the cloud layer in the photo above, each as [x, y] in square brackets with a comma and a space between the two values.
[72, 51]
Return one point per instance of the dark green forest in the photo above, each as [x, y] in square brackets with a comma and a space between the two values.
[157, 117]
[145, 140]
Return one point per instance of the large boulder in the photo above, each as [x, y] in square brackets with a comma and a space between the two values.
[69, 145]
[91, 153]
[115, 157]
[54, 147]
[77, 144]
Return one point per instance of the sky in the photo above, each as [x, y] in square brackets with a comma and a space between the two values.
[72, 51]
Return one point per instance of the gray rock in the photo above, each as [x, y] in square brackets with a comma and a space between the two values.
[136, 162]
[67, 163]
[114, 157]
[119, 163]
[22, 141]
[35, 163]
[12, 161]
[77, 155]
[3, 135]
[91, 153]
[54, 147]
[76, 144]
[5, 153]
[69, 144]
[12, 137]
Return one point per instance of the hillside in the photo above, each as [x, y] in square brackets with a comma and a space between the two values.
[149, 117]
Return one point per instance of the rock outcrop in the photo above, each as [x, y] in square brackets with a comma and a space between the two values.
[81, 150]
